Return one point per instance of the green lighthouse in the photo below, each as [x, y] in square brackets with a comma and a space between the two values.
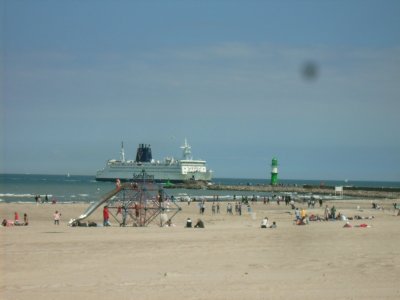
[274, 171]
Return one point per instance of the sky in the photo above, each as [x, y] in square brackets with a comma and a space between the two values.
[313, 83]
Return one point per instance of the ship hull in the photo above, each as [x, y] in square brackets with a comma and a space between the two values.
[159, 173]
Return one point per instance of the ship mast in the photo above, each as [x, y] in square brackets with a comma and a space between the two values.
[122, 152]
[187, 153]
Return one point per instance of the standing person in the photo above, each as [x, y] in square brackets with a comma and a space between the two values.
[26, 222]
[57, 216]
[326, 213]
[297, 213]
[16, 218]
[218, 208]
[303, 214]
[333, 212]
[46, 199]
[213, 208]
[106, 216]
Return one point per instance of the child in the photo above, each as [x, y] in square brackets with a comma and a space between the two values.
[57, 216]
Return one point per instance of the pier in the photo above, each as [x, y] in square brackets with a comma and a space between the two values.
[352, 191]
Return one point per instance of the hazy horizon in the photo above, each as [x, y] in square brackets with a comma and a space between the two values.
[266, 179]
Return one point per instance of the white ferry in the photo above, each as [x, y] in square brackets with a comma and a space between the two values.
[169, 170]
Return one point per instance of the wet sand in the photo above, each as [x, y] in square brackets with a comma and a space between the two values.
[232, 258]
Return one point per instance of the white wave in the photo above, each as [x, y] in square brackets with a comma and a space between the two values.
[83, 195]
[17, 195]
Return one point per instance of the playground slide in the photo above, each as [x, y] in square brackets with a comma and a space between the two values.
[95, 205]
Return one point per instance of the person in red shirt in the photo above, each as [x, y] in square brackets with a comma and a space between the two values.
[106, 216]
[16, 219]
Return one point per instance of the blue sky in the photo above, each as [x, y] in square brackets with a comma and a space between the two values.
[77, 77]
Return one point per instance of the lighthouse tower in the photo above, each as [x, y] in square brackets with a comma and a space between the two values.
[274, 171]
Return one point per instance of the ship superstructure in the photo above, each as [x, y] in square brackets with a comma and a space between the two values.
[168, 170]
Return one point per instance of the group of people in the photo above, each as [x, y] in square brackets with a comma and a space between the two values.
[216, 208]
[300, 216]
[16, 221]
[199, 223]
[25, 221]
[38, 199]
[265, 223]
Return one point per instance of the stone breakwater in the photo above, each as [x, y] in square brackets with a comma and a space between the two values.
[358, 192]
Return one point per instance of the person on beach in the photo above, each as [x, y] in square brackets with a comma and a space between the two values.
[169, 223]
[333, 212]
[326, 214]
[292, 204]
[273, 225]
[188, 223]
[297, 213]
[240, 209]
[202, 207]
[106, 216]
[264, 223]
[199, 224]
[229, 209]
[303, 214]
[57, 217]
[16, 218]
[26, 222]
[348, 225]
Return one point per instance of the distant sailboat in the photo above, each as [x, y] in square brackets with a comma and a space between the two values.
[68, 175]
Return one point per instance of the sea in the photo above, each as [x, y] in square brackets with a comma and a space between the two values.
[23, 188]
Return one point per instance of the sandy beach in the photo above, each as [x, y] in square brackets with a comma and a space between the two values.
[232, 258]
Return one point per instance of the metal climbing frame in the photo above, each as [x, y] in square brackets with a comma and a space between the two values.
[140, 202]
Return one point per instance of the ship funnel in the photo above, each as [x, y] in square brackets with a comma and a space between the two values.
[143, 153]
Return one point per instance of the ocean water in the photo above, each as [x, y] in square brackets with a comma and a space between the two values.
[70, 189]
